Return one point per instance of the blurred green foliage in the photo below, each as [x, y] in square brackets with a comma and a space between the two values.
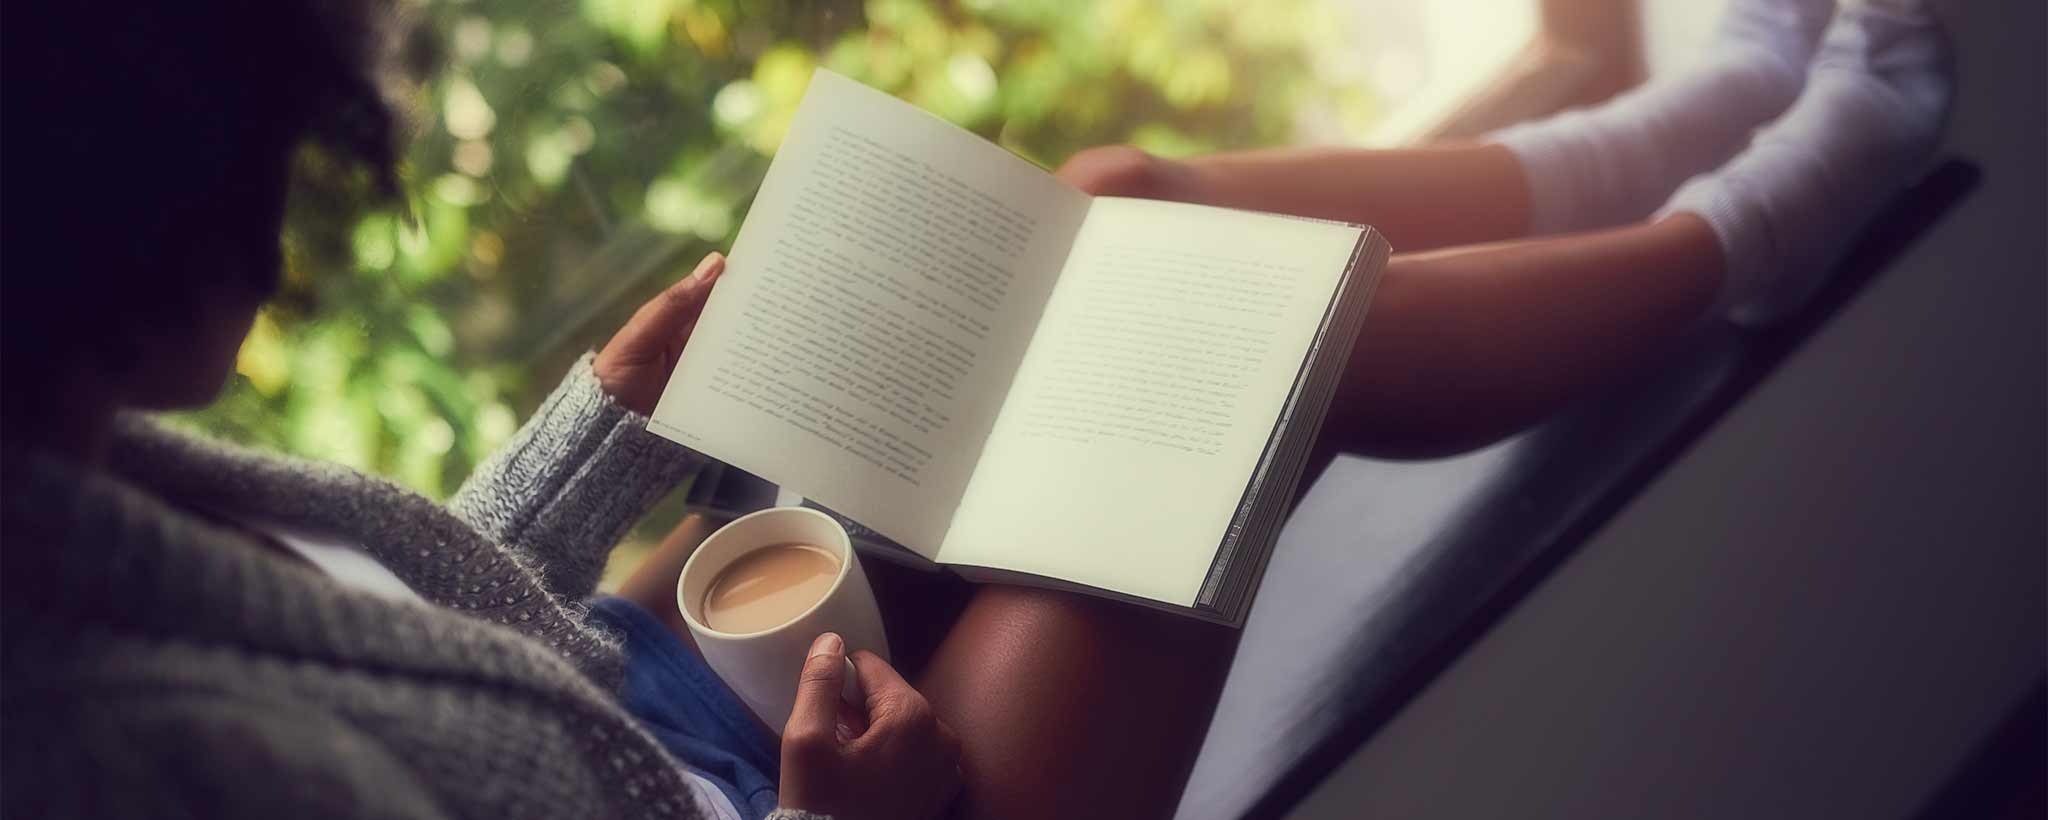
[570, 157]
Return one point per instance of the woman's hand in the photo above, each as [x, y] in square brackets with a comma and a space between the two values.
[1121, 170]
[897, 761]
[634, 366]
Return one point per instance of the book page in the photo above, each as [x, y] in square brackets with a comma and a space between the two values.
[1154, 382]
[874, 311]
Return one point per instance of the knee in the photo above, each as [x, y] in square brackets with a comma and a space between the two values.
[1073, 626]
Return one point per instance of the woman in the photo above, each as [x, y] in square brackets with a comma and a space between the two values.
[193, 629]
[1533, 269]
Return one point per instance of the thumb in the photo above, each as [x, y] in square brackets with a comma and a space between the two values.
[663, 319]
[816, 713]
[636, 363]
[657, 324]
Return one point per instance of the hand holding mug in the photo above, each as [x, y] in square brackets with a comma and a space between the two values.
[889, 758]
[758, 592]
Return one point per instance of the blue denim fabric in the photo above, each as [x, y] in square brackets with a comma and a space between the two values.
[684, 705]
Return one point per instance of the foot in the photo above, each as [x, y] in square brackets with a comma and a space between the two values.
[1785, 209]
[1615, 163]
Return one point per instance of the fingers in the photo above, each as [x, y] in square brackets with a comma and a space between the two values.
[635, 364]
[700, 278]
[898, 761]
[894, 706]
[853, 721]
[665, 317]
[1120, 170]
[886, 690]
[814, 721]
[897, 708]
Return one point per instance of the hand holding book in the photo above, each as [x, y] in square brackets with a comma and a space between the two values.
[1008, 376]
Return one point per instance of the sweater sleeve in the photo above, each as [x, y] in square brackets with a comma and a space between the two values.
[571, 482]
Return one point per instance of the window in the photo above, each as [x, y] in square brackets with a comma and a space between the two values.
[571, 158]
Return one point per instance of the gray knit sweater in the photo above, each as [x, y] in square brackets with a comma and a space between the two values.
[156, 664]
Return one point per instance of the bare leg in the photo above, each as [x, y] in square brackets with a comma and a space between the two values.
[1467, 345]
[1072, 706]
[1421, 198]
[1463, 347]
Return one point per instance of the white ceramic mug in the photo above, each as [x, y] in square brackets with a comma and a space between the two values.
[762, 667]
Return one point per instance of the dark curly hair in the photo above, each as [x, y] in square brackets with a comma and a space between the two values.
[136, 133]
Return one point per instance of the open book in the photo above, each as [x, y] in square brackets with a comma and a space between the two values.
[1002, 374]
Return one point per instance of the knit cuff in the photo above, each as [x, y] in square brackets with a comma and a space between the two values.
[571, 481]
[1707, 198]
